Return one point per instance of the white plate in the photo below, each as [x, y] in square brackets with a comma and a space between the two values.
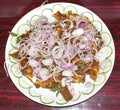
[44, 96]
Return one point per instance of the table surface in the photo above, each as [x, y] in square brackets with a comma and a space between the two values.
[108, 98]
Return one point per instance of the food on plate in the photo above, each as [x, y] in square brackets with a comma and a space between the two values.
[54, 55]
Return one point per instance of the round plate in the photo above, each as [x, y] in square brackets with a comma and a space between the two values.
[44, 96]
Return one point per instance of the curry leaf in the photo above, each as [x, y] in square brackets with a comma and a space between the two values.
[12, 33]
[20, 37]
[82, 65]
[57, 93]
[56, 88]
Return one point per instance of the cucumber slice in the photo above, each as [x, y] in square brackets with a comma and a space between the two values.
[104, 53]
[46, 100]
[33, 19]
[11, 59]
[24, 82]
[70, 8]
[58, 7]
[15, 70]
[13, 42]
[88, 88]
[100, 79]
[76, 96]
[61, 101]
[98, 25]
[88, 15]
[108, 51]
[106, 65]
[46, 11]
[106, 38]
[22, 29]
[33, 92]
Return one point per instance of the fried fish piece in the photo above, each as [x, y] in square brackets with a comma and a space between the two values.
[49, 84]
[59, 16]
[15, 55]
[66, 93]
[28, 72]
[93, 70]
[77, 79]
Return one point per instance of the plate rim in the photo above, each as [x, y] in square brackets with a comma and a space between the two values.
[6, 56]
